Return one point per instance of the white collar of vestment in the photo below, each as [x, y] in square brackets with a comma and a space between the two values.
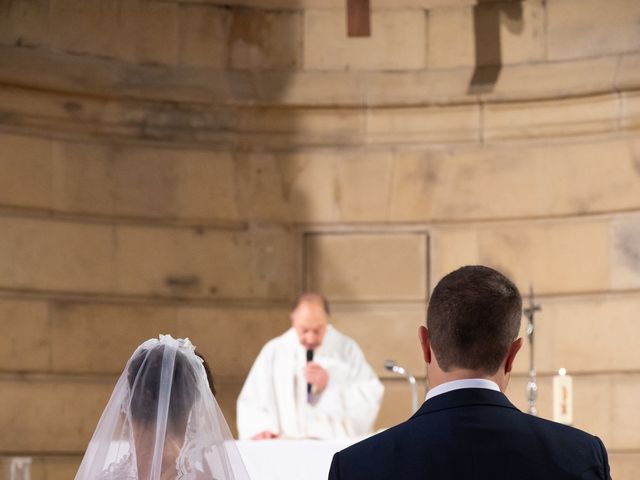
[459, 384]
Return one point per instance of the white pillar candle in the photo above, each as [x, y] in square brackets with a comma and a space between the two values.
[563, 398]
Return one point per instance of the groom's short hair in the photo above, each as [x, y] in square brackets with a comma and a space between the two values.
[473, 316]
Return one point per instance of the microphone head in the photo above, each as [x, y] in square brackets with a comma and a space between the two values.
[390, 365]
[309, 355]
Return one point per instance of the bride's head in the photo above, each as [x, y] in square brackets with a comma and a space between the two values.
[163, 390]
[162, 421]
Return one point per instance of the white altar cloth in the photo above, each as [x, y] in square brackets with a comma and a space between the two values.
[289, 459]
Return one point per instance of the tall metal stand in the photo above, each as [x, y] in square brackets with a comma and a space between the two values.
[532, 386]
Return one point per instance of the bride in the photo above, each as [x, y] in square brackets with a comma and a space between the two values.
[162, 422]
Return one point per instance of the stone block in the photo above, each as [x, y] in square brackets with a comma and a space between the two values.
[630, 114]
[26, 179]
[592, 407]
[50, 415]
[56, 255]
[450, 40]
[207, 186]
[553, 257]
[145, 181]
[230, 339]
[424, 125]
[48, 112]
[90, 258]
[47, 467]
[88, 338]
[157, 34]
[589, 28]
[602, 405]
[558, 258]
[227, 392]
[486, 34]
[625, 421]
[500, 182]
[285, 128]
[385, 332]
[204, 34]
[451, 249]
[24, 343]
[265, 39]
[418, 87]
[381, 266]
[59, 414]
[628, 72]
[310, 186]
[583, 334]
[102, 28]
[520, 34]
[204, 263]
[318, 88]
[315, 186]
[260, 180]
[397, 41]
[551, 118]
[625, 261]
[362, 187]
[149, 182]
[84, 179]
[25, 23]
[624, 465]
[560, 79]
[93, 338]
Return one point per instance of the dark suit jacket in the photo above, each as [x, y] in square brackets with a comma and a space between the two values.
[473, 433]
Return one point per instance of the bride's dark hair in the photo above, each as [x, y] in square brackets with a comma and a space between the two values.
[145, 375]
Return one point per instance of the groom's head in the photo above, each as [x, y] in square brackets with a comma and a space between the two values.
[473, 319]
[309, 318]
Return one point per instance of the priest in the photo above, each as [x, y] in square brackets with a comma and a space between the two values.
[310, 382]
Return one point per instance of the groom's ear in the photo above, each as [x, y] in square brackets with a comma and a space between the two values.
[511, 354]
[423, 335]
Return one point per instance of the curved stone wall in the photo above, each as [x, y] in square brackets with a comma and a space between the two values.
[188, 166]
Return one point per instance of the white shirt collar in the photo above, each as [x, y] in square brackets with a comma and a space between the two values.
[465, 383]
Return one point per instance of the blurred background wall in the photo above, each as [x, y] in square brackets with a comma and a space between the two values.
[187, 167]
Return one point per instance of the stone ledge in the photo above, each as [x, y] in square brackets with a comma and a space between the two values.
[294, 127]
[105, 78]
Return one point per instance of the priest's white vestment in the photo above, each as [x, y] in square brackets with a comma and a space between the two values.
[274, 396]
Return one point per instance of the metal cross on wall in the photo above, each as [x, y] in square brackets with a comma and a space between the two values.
[358, 18]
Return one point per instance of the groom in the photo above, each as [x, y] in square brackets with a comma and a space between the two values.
[466, 428]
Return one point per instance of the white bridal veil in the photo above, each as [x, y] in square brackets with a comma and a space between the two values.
[162, 422]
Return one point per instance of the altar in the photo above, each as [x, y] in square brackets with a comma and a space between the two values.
[289, 459]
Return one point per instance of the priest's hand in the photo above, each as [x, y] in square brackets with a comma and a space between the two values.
[266, 435]
[316, 376]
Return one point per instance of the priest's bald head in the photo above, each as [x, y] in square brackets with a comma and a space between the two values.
[309, 318]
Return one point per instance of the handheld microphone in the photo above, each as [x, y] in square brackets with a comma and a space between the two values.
[392, 366]
[309, 359]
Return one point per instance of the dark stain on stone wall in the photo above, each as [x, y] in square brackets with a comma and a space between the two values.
[627, 244]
